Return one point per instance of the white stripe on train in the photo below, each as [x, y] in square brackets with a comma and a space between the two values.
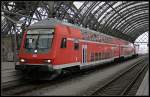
[84, 65]
[81, 40]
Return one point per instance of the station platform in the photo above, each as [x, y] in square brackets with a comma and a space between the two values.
[144, 87]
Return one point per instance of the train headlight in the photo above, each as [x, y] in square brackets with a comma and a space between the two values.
[47, 61]
[22, 60]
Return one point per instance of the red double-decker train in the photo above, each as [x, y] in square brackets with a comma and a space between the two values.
[53, 46]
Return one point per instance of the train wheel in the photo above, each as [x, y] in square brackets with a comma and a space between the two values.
[116, 60]
[55, 74]
[65, 72]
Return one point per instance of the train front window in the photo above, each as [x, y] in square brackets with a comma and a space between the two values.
[44, 41]
[31, 41]
[39, 40]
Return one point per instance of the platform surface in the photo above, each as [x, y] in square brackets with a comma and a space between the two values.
[144, 87]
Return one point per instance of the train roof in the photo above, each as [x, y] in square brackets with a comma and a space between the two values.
[52, 22]
[47, 23]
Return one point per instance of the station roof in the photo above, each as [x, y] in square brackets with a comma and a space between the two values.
[122, 19]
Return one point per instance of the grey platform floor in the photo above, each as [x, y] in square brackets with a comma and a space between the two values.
[144, 87]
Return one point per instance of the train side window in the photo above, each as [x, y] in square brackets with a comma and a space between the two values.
[99, 56]
[104, 55]
[96, 56]
[76, 44]
[108, 54]
[92, 56]
[64, 43]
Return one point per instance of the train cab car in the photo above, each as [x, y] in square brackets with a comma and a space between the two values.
[49, 46]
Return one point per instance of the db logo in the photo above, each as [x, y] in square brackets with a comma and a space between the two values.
[34, 55]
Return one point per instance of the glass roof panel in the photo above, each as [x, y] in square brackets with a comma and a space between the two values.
[78, 4]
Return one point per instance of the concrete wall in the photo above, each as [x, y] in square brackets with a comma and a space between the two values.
[6, 49]
[9, 76]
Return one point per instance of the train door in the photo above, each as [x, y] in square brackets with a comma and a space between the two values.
[84, 53]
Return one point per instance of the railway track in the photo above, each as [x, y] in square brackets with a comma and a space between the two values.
[125, 82]
[32, 86]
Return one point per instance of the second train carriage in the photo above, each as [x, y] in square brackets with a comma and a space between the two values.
[52, 45]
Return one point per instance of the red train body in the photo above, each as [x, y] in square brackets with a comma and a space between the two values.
[53, 45]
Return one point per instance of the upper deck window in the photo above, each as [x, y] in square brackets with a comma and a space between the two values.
[63, 43]
[41, 31]
[76, 44]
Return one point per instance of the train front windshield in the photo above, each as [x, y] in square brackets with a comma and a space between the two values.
[39, 40]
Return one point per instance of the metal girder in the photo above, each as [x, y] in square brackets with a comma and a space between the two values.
[135, 21]
[104, 29]
[113, 14]
[114, 19]
[105, 8]
[109, 17]
[122, 25]
[85, 16]
[100, 22]
[18, 14]
[89, 16]
[62, 11]
[139, 30]
[144, 24]
[78, 11]
[19, 9]
[130, 13]
[129, 30]
[107, 20]
[127, 11]
[136, 32]
[118, 34]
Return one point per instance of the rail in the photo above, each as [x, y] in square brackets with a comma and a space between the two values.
[122, 82]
